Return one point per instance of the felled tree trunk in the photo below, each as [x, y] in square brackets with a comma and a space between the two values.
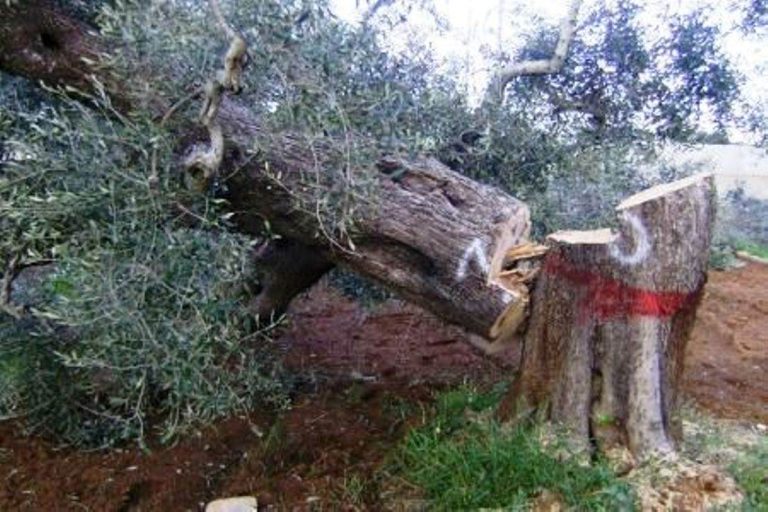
[434, 236]
[441, 240]
[603, 353]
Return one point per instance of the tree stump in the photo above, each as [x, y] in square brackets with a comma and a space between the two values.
[603, 353]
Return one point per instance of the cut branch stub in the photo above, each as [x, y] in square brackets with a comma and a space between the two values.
[611, 314]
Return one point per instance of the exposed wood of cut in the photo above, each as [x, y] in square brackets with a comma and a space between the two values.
[610, 319]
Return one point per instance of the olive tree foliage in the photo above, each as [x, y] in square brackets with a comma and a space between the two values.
[571, 143]
[127, 298]
[755, 15]
[121, 296]
[754, 25]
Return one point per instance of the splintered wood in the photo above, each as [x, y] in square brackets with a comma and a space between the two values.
[521, 264]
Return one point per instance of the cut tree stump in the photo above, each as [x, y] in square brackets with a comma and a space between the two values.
[611, 313]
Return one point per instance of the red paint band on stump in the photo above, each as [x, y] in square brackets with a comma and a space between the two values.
[607, 298]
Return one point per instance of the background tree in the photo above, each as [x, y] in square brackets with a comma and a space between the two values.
[623, 91]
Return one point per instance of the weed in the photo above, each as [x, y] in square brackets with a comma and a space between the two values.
[354, 490]
[751, 472]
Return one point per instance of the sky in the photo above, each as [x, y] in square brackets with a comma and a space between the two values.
[470, 24]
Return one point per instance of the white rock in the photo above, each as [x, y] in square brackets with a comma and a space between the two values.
[238, 504]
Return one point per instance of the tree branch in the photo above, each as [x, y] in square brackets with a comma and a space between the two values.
[12, 271]
[434, 236]
[544, 66]
[6, 288]
[373, 9]
[590, 108]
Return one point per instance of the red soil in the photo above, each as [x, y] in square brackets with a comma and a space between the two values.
[360, 367]
[727, 359]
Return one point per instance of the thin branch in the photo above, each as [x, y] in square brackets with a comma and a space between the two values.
[6, 287]
[373, 9]
[222, 21]
[545, 66]
[11, 272]
[562, 104]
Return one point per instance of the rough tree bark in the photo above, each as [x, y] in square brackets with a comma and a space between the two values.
[433, 236]
[611, 313]
[39, 41]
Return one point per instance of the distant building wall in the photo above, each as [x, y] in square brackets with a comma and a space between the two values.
[732, 164]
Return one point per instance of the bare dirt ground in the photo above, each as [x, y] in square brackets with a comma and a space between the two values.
[727, 359]
[366, 377]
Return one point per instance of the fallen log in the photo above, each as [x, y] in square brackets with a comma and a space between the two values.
[432, 235]
[603, 354]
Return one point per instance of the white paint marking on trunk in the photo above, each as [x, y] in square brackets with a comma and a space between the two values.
[474, 252]
[506, 297]
[642, 242]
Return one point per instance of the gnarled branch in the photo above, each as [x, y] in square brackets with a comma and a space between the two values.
[544, 66]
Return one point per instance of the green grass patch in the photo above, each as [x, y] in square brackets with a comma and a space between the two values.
[755, 249]
[751, 473]
[464, 459]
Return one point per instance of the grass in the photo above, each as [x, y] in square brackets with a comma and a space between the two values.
[356, 491]
[751, 473]
[755, 249]
[464, 459]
